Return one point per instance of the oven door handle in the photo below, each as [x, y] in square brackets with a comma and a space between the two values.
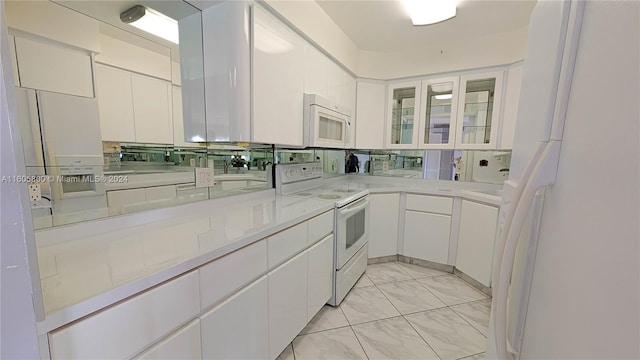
[355, 207]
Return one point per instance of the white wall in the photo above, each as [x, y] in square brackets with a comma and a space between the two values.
[433, 58]
[18, 320]
[309, 18]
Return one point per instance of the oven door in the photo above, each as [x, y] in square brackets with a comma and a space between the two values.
[352, 229]
[329, 128]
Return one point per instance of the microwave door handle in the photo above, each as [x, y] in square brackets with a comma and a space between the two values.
[356, 207]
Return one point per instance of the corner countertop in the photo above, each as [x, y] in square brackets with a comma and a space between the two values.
[88, 266]
[487, 193]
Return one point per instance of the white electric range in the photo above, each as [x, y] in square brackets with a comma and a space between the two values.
[351, 222]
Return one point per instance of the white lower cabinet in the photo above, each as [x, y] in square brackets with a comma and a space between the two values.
[183, 344]
[320, 275]
[237, 328]
[383, 224]
[127, 328]
[287, 303]
[426, 236]
[476, 240]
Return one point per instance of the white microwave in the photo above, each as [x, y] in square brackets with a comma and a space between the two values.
[326, 124]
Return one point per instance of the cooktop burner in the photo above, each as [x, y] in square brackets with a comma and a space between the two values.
[345, 190]
[329, 196]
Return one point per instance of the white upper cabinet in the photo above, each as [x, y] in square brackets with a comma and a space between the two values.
[461, 112]
[115, 104]
[438, 117]
[133, 108]
[278, 81]
[316, 71]
[46, 66]
[478, 117]
[336, 84]
[350, 103]
[369, 115]
[403, 114]
[510, 108]
[152, 110]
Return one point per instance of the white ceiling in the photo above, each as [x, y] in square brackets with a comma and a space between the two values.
[383, 25]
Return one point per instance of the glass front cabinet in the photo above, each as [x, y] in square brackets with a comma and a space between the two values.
[403, 113]
[440, 99]
[479, 110]
[459, 112]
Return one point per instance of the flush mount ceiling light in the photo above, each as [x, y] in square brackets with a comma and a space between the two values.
[425, 12]
[444, 96]
[152, 22]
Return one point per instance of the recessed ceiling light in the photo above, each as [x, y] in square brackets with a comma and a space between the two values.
[152, 22]
[425, 12]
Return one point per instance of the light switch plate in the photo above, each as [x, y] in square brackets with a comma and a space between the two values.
[204, 177]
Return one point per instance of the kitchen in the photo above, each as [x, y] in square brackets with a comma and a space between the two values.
[106, 283]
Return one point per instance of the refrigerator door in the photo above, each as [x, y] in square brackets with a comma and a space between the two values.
[540, 78]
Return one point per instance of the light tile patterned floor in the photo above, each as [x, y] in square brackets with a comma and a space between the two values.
[399, 311]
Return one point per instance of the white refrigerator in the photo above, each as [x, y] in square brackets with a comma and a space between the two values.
[566, 275]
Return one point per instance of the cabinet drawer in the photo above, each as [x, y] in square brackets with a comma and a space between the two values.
[127, 328]
[432, 204]
[183, 344]
[237, 327]
[320, 226]
[222, 277]
[287, 243]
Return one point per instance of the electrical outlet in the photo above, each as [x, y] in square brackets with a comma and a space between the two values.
[34, 193]
[204, 177]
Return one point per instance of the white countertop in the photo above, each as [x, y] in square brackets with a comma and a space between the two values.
[88, 266]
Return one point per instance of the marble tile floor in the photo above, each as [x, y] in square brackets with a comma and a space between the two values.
[399, 311]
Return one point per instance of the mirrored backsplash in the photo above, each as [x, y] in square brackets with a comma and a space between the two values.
[456, 165]
[137, 177]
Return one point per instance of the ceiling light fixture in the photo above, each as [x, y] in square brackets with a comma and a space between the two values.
[152, 22]
[426, 12]
[444, 96]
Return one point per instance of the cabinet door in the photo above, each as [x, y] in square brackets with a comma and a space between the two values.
[278, 81]
[479, 110]
[369, 115]
[287, 303]
[476, 240]
[183, 344]
[115, 104]
[383, 225]
[320, 275]
[336, 83]
[152, 110]
[349, 100]
[45, 66]
[426, 236]
[316, 71]
[178, 120]
[439, 100]
[510, 108]
[403, 115]
[237, 328]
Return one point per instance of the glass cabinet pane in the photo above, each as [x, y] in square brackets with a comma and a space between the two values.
[402, 116]
[478, 111]
[438, 113]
